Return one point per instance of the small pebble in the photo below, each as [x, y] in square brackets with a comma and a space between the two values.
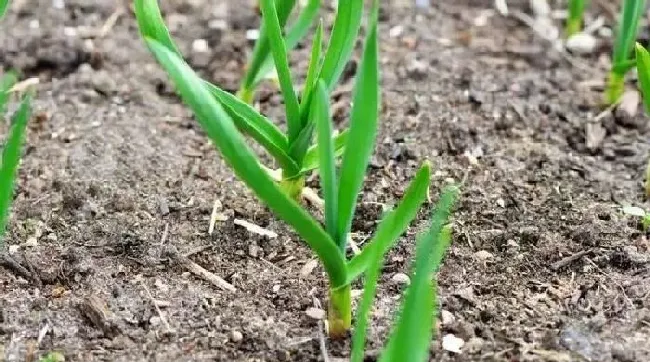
[161, 286]
[396, 31]
[252, 34]
[628, 108]
[236, 336]
[315, 313]
[253, 250]
[474, 345]
[581, 43]
[452, 343]
[401, 278]
[154, 321]
[417, 69]
[200, 46]
[218, 24]
[512, 246]
[446, 317]
[58, 4]
[483, 255]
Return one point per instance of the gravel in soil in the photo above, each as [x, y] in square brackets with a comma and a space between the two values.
[118, 184]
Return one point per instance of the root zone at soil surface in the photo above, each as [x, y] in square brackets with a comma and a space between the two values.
[117, 186]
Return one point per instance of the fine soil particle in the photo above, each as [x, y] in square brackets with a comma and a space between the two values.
[118, 181]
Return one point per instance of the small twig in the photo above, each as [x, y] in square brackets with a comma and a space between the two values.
[607, 111]
[43, 332]
[155, 304]
[110, 22]
[569, 259]
[214, 216]
[201, 272]
[23, 85]
[165, 235]
[321, 342]
[310, 195]
[95, 310]
[198, 250]
[353, 245]
[255, 229]
[10, 263]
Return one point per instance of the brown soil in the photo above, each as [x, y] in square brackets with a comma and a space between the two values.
[117, 179]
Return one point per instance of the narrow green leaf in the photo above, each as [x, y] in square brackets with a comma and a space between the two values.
[295, 34]
[310, 162]
[6, 82]
[11, 159]
[643, 69]
[411, 337]
[279, 51]
[247, 119]
[261, 51]
[152, 24]
[320, 113]
[258, 121]
[363, 130]
[421, 297]
[363, 310]
[299, 147]
[394, 224]
[312, 71]
[260, 128]
[341, 44]
[624, 67]
[627, 30]
[222, 131]
[574, 20]
[4, 5]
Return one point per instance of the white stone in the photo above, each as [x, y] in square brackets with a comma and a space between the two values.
[200, 46]
[401, 278]
[452, 343]
[581, 43]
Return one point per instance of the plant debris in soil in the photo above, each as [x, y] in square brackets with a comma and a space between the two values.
[112, 259]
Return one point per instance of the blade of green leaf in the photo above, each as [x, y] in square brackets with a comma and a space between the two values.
[627, 29]
[247, 119]
[279, 51]
[411, 337]
[624, 66]
[312, 70]
[262, 48]
[363, 310]
[152, 24]
[643, 69]
[394, 223]
[222, 131]
[252, 123]
[4, 5]
[341, 44]
[295, 34]
[363, 130]
[11, 159]
[6, 82]
[574, 20]
[310, 162]
[320, 113]
[299, 147]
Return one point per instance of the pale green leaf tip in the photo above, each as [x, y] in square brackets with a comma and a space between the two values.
[639, 47]
[426, 165]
